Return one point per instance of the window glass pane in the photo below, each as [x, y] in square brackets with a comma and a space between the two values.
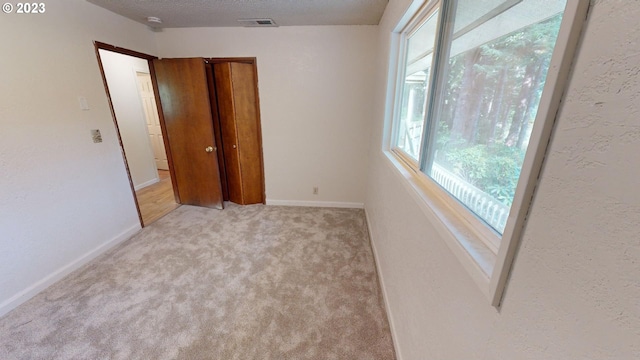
[493, 80]
[417, 67]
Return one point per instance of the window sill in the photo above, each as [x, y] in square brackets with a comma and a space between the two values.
[465, 239]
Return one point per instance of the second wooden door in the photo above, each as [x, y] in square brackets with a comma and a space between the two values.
[237, 105]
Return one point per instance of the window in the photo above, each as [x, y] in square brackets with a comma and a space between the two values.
[419, 60]
[474, 106]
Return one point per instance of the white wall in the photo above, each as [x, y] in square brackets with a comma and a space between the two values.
[120, 71]
[575, 287]
[315, 99]
[61, 195]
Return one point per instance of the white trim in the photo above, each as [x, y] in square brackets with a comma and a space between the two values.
[57, 275]
[392, 85]
[330, 204]
[410, 13]
[383, 288]
[147, 183]
[142, 70]
[574, 17]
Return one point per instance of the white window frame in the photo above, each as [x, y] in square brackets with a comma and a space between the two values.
[408, 30]
[485, 255]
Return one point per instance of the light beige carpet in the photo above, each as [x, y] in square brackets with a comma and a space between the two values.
[252, 282]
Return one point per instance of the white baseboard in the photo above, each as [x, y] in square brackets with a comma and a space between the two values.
[334, 204]
[383, 289]
[57, 275]
[147, 183]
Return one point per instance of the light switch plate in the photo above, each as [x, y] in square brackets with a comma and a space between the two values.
[97, 137]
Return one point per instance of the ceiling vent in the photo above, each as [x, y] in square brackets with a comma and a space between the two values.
[257, 22]
[154, 20]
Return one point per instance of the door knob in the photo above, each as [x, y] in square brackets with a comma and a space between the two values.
[234, 146]
[209, 149]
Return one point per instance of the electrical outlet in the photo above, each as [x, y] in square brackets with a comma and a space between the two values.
[315, 190]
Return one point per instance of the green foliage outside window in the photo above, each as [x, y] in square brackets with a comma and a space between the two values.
[483, 139]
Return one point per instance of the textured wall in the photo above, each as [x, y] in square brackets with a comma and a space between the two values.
[315, 86]
[61, 195]
[575, 287]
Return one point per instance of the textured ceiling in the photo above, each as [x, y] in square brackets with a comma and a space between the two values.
[206, 13]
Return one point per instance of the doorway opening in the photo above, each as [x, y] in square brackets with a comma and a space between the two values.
[192, 113]
[127, 77]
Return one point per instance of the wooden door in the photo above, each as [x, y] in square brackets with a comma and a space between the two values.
[184, 100]
[241, 134]
[145, 88]
[222, 75]
[248, 131]
[213, 100]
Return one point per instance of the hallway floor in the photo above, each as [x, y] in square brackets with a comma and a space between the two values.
[157, 200]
